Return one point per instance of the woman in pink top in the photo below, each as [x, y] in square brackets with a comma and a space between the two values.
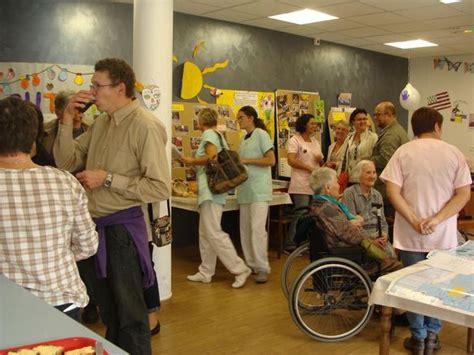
[304, 155]
[428, 182]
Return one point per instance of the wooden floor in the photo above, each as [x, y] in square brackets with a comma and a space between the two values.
[216, 319]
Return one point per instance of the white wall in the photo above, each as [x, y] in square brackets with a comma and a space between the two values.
[430, 77]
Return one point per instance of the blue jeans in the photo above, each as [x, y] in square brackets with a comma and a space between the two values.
[420, 325]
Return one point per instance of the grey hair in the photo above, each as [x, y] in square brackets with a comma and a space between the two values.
[208, 117]
[61, 100]
[357, 171]
[320, 177]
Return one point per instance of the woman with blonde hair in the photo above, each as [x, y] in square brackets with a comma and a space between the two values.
[213, 241]
[337, 149]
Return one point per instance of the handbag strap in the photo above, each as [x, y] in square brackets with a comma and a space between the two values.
[150, 210]
[221, 140]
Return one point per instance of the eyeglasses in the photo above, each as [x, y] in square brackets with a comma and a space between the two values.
[96, 86]
[379, 114]
[361, 119]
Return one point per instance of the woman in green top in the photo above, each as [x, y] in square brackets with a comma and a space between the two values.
[213, 241]
[256, 152]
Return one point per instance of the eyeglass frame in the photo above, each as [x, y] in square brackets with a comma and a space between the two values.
[96, 86]
[380, 114]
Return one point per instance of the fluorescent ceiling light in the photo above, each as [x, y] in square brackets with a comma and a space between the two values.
[415, 43]
[302, 17]
[449, 1]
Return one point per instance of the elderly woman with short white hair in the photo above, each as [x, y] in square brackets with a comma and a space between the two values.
[362, 199]
[340, 226]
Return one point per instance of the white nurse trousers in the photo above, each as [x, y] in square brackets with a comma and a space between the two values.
[254, 236]
[215, 243]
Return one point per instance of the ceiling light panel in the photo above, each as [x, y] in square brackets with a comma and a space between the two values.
[415, 43]
[303, 17]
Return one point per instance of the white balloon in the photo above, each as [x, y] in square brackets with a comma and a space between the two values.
[410, 98]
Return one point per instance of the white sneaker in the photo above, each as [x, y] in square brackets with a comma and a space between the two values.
[198, 277]
[241, 278]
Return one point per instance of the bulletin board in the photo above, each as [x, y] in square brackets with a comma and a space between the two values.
[337, 114]
[289, 106]
[39, 83]
[186, 134]
[262, 102]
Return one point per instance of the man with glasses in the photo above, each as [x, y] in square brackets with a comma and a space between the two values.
[392, 135]
[124, 160]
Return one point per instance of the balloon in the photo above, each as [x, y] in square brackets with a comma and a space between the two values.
[410, 98]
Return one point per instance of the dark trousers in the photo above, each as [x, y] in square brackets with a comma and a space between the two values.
[87, 272]
[152, 294]
[120, 295]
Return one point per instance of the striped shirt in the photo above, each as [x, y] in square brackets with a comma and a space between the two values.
[45, 228]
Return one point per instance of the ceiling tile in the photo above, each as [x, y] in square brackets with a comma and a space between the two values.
[429, 12]
[191, 8]
[450, 22]
[349, 9]
[466, 6]
[355, 42]
[394, 37]
[379, 19]
[333, 36]
[220, 3]
[334, 25]
[406, 27]
[230, 15]
[314, 4]
[267, 23]
[265, 8]
[364, 32]
[459, 39]
[303, 30]
[391, 5]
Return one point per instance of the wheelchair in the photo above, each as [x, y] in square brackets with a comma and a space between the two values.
[328, 297]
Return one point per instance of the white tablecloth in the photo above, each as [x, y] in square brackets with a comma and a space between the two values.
[190, 203]
[379, 297]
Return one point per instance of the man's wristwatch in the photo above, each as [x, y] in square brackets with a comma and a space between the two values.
[108, 180]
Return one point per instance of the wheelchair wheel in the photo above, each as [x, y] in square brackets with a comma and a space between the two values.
[295, 263]
[329, 299]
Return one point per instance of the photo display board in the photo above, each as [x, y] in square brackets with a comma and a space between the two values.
[186, 133]
[289, 106]
[263, 102]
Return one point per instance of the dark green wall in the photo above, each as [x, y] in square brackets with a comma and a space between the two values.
[260, 59]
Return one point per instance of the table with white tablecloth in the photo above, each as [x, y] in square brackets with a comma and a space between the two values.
[379, 296]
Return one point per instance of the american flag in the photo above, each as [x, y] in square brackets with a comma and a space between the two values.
[439, 101]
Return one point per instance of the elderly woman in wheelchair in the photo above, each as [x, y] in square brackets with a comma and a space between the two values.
[341, 228]
[362, 199]
[328, 299]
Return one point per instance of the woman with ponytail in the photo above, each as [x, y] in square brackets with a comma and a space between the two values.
[253, 196]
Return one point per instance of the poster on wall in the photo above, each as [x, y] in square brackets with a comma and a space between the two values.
[263, 102]
[186, 134]
[39, 83]
[289, 106]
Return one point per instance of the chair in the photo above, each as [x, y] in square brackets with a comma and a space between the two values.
[282, 221]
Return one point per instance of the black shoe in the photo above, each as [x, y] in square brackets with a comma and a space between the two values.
[90, 314]
[417, 346]
[156, 330]
[432, 343]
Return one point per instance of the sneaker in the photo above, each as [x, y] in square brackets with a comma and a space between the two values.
[198, 277]
[289, 250]
[241, 278]
[432, 343]
[262, 277]
[90, 314]
[417, 346]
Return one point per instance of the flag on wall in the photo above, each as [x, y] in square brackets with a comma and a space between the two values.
[439, 101]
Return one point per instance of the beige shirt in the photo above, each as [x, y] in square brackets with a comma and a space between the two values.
[130, 144]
